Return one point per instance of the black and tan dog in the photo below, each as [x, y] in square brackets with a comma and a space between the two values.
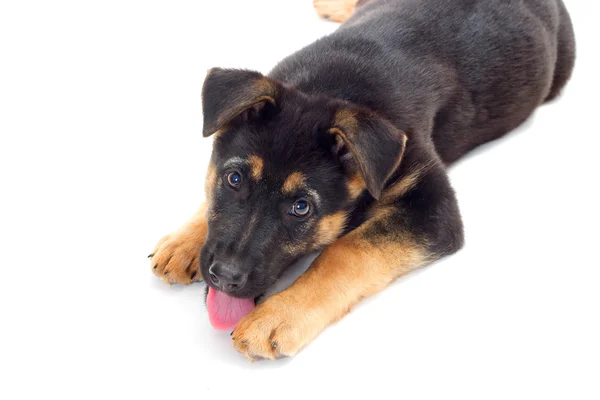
[344, 147]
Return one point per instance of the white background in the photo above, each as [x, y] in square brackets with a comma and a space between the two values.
[101, 154]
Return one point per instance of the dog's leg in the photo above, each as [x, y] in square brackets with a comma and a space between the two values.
[335, 10]
[175, 258]
[415, 222]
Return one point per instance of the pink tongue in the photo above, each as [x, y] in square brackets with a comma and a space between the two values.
[225, 312]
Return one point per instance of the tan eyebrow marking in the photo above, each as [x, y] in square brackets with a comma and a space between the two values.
[295, 181]
[256, 166]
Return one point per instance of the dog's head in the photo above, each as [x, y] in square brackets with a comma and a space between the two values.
[285, 171]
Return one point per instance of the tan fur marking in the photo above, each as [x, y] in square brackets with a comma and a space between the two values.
[403, 185]
[329, 229]
[210, 182]
[347, 118]
[256, 167]
[355, 185]
[401, 155]
[344, 273]
[400, 188]
[175, 258]
[268, 87]
[294, 182]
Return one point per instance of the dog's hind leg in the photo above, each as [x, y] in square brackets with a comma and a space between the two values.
[336, 10]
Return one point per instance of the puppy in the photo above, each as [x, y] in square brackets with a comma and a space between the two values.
[343, 147]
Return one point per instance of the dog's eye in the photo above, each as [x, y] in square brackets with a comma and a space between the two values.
[300, 208]
[234, 179]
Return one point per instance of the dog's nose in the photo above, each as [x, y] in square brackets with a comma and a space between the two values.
[226, 277]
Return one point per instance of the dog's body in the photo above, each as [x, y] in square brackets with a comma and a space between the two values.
[457, 73]
[354, 133]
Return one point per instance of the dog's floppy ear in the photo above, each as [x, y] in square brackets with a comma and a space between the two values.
[227, 93]
[373, 142]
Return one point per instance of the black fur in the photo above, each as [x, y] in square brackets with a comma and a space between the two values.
[450, 75]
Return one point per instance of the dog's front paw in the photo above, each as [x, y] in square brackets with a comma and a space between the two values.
[276, 328]
[176, 258]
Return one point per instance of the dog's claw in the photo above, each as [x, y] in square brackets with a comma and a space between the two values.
[150, 255]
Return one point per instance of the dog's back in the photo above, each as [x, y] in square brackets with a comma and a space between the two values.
[461, 72]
